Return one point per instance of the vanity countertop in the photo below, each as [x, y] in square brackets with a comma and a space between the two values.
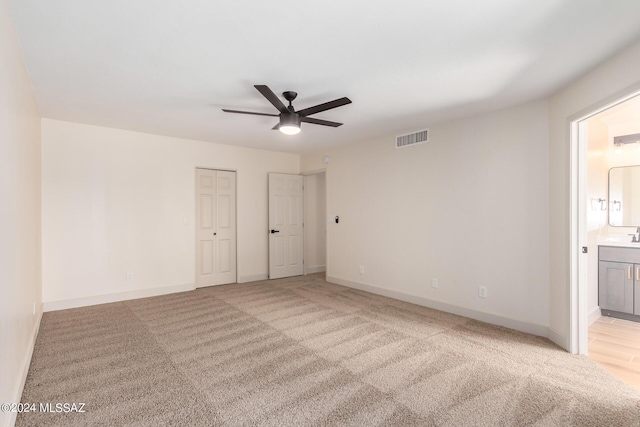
[617, 240]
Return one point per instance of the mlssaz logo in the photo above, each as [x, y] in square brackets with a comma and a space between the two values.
[62, 408]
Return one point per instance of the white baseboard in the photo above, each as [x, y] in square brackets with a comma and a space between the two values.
[122, 296]
[315, 269]
[252, 278]
[594, 315]
[10, 418]
[558, 339]
[518, 325]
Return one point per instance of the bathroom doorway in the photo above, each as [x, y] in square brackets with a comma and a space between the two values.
[611, 339]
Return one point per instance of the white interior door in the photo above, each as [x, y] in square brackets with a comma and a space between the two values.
[215, 227]
[285, 225]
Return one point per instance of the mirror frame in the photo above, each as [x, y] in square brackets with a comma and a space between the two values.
[609, 201]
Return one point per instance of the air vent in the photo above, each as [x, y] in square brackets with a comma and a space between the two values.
[419, 137]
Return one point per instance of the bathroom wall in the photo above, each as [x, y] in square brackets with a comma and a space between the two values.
[619, 121]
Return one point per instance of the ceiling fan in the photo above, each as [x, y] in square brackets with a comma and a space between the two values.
[290, 119]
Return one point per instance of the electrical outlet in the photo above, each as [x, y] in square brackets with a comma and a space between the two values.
[434, 283]
[362, 269]
[129, 276]
[482, 291]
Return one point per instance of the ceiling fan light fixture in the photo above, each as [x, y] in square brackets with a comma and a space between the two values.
[289, 124]
[289, 129]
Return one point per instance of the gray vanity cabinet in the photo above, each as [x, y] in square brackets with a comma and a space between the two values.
[619, 280]
[615, 286]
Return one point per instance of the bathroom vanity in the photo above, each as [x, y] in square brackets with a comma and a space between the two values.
[619, 281]
[619, 253]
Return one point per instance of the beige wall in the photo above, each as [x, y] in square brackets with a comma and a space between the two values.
[468, 208]
[116, 201]
[20, 273]
[609, 81]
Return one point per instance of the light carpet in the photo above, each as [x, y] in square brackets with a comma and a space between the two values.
[302, 351]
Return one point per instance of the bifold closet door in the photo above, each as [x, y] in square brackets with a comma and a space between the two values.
[215, 227]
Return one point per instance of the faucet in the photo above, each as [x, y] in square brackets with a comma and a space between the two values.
[636, 236]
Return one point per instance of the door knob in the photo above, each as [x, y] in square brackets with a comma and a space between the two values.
[275, 231]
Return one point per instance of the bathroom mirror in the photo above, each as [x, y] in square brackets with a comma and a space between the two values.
[624, 196]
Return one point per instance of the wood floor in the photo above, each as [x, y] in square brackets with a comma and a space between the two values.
[615, 345]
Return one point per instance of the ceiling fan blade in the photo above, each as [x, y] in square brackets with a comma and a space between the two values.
[324, 107]
[276, 127]
[249, 112]
[320, 122]
[272, 97]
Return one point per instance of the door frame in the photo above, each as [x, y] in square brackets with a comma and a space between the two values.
[195, 217]
[578, 288]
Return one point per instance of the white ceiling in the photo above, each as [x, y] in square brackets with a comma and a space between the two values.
[168, 67]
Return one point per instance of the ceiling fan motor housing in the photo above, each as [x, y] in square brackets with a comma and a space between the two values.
[290, 119]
